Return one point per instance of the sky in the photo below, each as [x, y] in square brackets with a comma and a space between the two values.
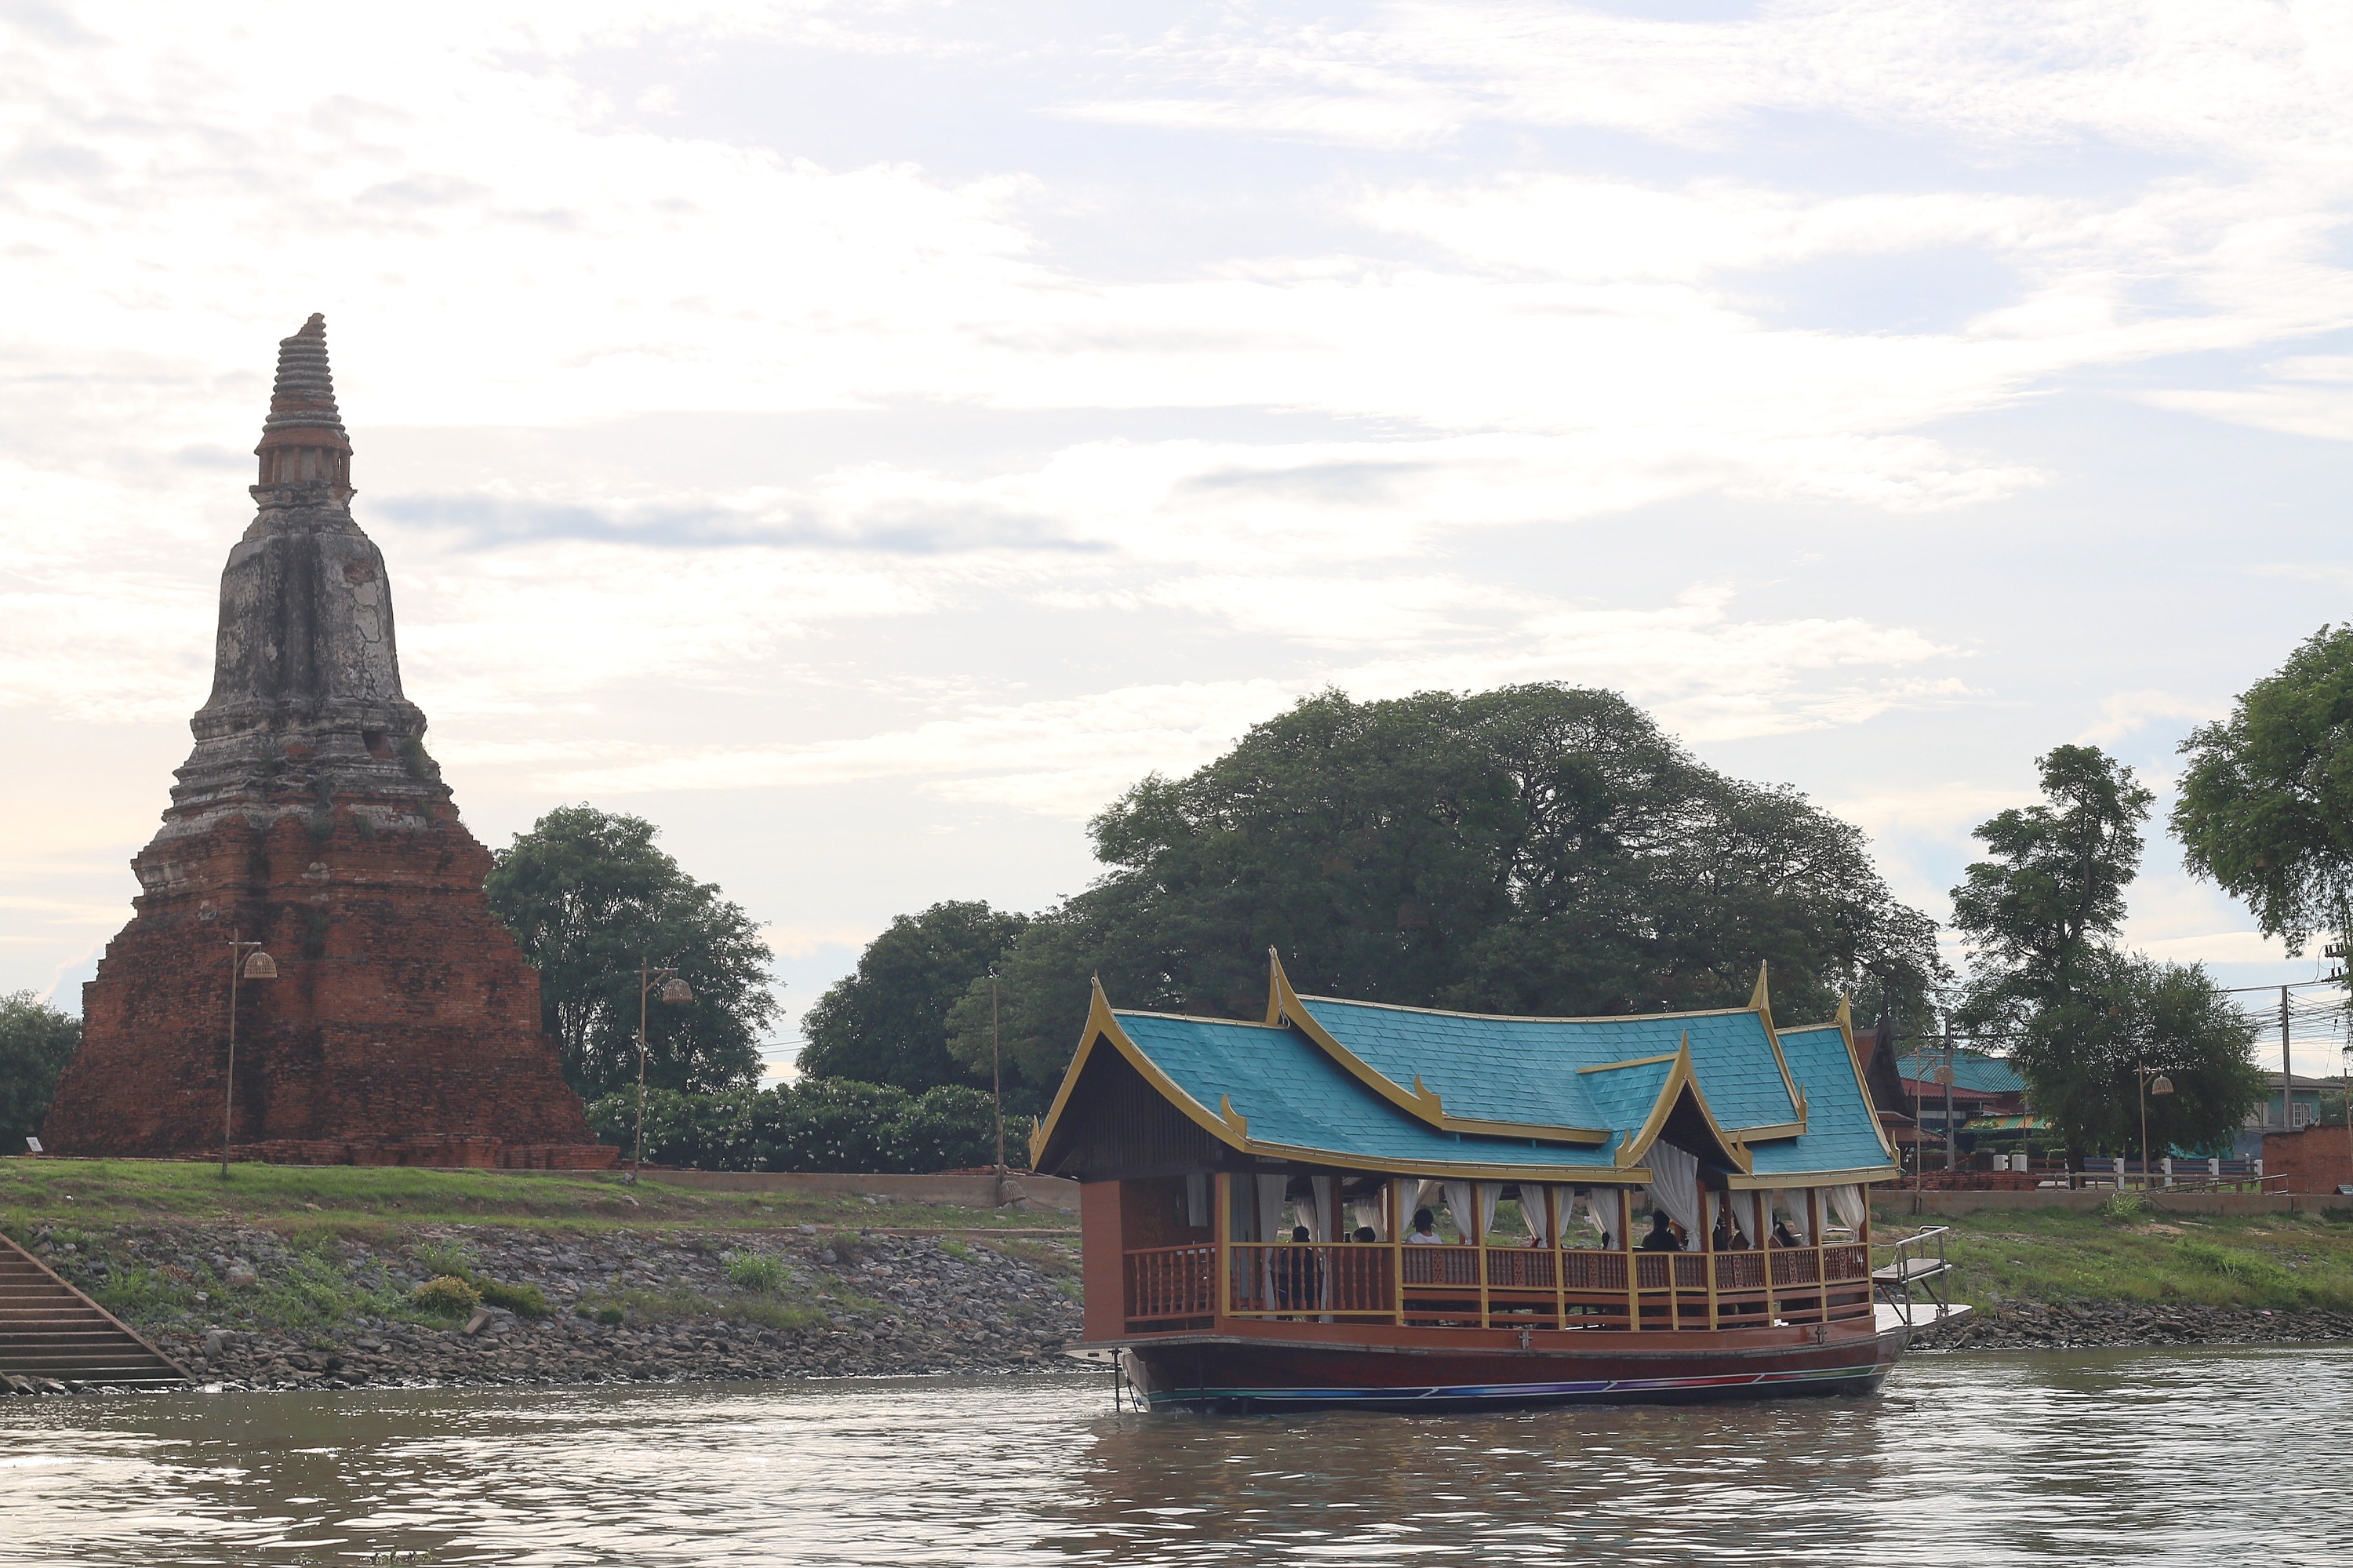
[865, 438]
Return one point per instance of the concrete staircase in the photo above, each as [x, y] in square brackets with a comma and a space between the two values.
[53, 1338]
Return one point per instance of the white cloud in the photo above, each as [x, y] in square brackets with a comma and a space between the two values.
[2123, 713]
[1350, 408]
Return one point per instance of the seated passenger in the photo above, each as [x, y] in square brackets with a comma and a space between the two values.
[1663, 1235]
[1783, 1235]
[1365, 1234]
[1425, 1229]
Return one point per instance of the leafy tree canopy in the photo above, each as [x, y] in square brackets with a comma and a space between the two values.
[35, 1041]
[1539, 849]
[2078, 1058]
[591, 897]
[2266, 806]
[887, 1022]
[2042, 913]
[2052, 892]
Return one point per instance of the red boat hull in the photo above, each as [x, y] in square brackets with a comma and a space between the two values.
[1235, 1373]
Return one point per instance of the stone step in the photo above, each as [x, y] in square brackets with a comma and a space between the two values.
[50, 1331]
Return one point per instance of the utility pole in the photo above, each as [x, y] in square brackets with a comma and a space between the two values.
[997, 1074]
[2287, 1081]
[1950, 1049]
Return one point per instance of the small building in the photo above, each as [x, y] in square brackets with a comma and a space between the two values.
[2292, 1102]
[1984, 1087]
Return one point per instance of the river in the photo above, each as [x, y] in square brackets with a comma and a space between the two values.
[2149, 1457]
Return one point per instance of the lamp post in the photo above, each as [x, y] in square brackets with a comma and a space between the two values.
[247, 961]
[673, 990]
[2152, 1082]
[997, 1075]
[2344, 1054]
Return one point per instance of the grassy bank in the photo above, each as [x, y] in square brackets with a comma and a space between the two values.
[2127, 1252]
[365, 1203]
[280, 1274]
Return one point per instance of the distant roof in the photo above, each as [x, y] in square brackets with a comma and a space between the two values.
[1972, 1070]
[1372, 1086]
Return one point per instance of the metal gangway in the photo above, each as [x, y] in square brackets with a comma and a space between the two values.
[1913, 1283]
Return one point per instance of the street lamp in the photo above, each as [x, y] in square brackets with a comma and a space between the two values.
[2152, 1081]
[247, 961]
[672, 990]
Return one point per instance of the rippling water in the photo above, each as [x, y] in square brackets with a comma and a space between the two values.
[2150, 1457]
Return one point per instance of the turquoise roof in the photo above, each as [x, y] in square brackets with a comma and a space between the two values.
[1841, 1132]
[1525, 1069]
[1293, 1093]
[1972, 1070]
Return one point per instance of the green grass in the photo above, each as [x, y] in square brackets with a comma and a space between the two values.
[380, 1204]
[2131, 1253]
[761, 1273]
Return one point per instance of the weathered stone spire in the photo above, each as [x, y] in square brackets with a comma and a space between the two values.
[303, 440]
[306, 697]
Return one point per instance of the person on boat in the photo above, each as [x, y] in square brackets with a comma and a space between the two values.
[1298, 1276]
[1662, 1237]
[1425, 1229]
[1783, 1235]
[1365, 1234]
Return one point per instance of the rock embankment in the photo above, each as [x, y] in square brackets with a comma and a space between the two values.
[2117, 1325]
[249, 1308]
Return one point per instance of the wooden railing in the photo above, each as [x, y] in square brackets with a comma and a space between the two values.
[1172, 1282]
[1170, 1289]
[1303, 1280]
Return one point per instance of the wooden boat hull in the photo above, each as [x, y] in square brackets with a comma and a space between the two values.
[1236, 1373]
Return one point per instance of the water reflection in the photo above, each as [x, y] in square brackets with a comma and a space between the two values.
[2145, 1456]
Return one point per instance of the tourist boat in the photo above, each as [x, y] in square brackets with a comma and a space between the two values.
[1249, 1194]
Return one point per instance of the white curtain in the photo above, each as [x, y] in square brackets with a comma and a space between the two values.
[1366, 1216]
[1848, 1203]
[1676, 1188]
[1414, 1193]
[1601, 1211]
[1489, 1194]
[1747, 1216]
[1463, 1205]
[1270, 1208]
[1793, 1204]
[1317, 1213]
[1559, 1203]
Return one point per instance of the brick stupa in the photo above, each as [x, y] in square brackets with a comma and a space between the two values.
[404, 1027]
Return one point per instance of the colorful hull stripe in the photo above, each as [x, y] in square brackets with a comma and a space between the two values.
[1520, 1391]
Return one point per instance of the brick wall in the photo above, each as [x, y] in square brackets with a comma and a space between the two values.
[404, 1016]
[2314, 1160]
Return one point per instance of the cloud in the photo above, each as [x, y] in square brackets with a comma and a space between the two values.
[2124, 712]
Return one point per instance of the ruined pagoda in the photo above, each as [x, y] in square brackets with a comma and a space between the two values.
[404, 1025]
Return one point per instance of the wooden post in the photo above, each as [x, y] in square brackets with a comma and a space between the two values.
[1400, 1220]
[1821, 1259]
[1633, 1262]
[1707, 1223]
[1476, 1234]
[1559, 1222]
[1225, 1223]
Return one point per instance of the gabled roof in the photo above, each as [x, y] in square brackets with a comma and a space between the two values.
[1374, 1086]
[1974, 1071]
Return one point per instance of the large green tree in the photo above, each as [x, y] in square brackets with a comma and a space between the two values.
[1539, 849]
[887, 1022]
[2266, 806]
[591, 897]
[35, 1041]
[2041, 913]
